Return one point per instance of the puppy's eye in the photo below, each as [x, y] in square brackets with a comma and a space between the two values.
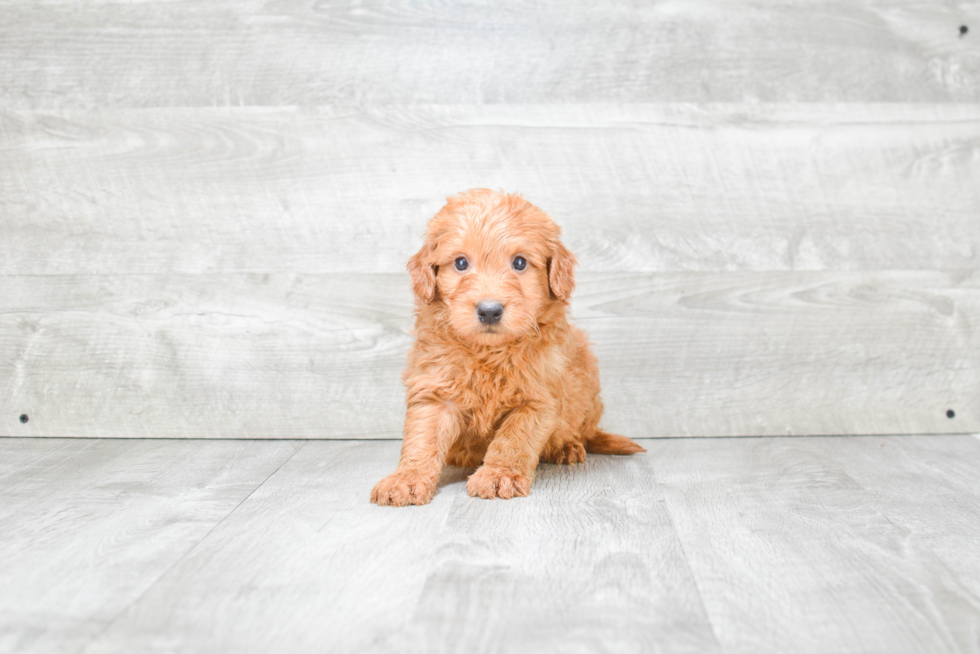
[520, 263]
[462, 264]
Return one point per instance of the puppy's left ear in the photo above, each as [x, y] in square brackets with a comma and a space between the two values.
[423, 275]
[561, 277]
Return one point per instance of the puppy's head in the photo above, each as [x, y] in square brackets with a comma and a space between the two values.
[491, 267]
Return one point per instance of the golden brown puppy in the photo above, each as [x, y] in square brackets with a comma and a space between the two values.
[497, 377]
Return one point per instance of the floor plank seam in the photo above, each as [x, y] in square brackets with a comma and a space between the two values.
[687, 561]
[108, 625]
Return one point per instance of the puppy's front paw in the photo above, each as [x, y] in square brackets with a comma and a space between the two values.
[403, 488]
[489, 482]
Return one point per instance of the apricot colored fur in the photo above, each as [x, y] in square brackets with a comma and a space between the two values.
[501, 397]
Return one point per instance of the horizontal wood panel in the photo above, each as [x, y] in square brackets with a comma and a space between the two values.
[320, 356]
[207, 356]
[144, 54]
[637, 188]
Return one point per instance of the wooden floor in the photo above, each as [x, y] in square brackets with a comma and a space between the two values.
[806, 544]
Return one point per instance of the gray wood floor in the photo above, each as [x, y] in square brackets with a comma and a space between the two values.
[805, 544]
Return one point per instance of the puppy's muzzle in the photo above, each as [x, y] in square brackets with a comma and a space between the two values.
[490, 312]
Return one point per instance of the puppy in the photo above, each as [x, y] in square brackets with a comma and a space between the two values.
[497, 379]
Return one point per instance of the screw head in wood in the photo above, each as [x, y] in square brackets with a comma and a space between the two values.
[963, 30]
[23, 417]
[950, 414]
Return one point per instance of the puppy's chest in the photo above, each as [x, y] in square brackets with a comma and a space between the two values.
[481, 384]
[487, 393]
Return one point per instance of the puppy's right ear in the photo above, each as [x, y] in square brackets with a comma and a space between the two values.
[423, 274]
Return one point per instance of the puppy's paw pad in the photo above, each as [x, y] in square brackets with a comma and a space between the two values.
[490, 483]
[402, 489]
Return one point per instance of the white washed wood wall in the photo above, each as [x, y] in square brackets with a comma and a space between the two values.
[205, 208]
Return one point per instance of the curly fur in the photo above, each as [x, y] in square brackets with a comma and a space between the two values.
[497, 397]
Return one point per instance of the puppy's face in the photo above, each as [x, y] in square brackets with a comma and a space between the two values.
[493, 287]
[491, 266]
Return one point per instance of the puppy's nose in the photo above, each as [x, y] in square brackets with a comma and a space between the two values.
[490, 312]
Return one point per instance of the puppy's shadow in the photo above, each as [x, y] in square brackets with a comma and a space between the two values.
[453, 475]
[545, 472]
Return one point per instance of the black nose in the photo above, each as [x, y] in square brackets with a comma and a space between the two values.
[490, 311]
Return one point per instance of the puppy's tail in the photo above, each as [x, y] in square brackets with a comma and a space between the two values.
[605, 443]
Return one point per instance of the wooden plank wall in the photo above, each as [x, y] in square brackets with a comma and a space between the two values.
[205, 208]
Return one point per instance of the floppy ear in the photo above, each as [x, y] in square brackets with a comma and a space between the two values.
[561, 278]
[423, 275]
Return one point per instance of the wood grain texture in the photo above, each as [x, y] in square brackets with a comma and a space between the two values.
[787, 353]
[593, 544]
[791, 553]
[203, 356]
[316, 566]
[735, 545]
[140, 54]
[90, 525]
[205, 209]
[636, 188]
[589, 562]
[320, 356]
[929, 490]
